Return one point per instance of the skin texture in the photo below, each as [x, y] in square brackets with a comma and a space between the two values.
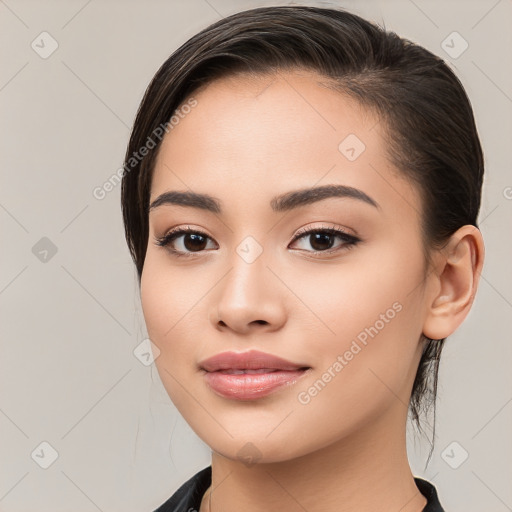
[345, 450]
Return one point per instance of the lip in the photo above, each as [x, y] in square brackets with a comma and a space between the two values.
[224, 374]
[250, 360]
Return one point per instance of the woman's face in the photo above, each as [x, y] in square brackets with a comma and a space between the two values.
[349, 308]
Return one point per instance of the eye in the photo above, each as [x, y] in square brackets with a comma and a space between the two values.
[323, 239]
[193, 240]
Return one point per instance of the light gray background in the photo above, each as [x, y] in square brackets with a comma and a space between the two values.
[70, 324]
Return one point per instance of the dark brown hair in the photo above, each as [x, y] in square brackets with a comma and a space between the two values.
[431, 134]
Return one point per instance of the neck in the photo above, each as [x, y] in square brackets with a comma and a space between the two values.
[366, 471]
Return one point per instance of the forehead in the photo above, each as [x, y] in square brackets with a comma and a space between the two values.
[252, 137]
[271, 111]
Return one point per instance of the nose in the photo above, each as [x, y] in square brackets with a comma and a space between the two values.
[249, 299]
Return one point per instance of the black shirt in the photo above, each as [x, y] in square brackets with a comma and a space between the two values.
[188, 497]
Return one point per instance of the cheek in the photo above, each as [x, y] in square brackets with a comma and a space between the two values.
[365, 371]
[164, 302]
[374, 315]
[165, 309]
[154, 304]
[173, 303]
[366, 290]
[167, 294]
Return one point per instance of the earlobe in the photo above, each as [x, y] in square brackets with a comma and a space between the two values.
[456, 275]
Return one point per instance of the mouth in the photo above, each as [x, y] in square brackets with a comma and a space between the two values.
[249, 375]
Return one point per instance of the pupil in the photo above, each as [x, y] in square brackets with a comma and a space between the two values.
[197, 242]
[318, 237]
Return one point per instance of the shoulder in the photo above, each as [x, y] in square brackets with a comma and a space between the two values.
[188, 497]
[430, 492]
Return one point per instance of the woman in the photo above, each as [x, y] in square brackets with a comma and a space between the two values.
[300, 199]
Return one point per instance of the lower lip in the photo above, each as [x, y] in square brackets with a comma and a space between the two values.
[250, 386]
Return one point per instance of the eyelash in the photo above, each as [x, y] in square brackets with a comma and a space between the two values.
[350, 240]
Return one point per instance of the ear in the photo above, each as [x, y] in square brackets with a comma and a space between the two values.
[454, 281]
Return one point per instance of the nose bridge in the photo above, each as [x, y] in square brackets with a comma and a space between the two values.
[248, 273]
[247, 293]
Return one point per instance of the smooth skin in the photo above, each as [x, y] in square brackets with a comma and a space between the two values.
[248, 140]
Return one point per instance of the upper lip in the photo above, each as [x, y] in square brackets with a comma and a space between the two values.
[251, 360]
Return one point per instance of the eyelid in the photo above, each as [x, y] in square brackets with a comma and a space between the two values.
[187, 229]
[300, 232]
[331, 227]
[180, 231]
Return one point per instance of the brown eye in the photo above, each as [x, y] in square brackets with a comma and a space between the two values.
[193, 242]
[321, 240]
[189, 241]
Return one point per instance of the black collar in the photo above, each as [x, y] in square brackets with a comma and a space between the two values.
[188, 497]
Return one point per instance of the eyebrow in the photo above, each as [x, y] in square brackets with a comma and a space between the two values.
[282, 203]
